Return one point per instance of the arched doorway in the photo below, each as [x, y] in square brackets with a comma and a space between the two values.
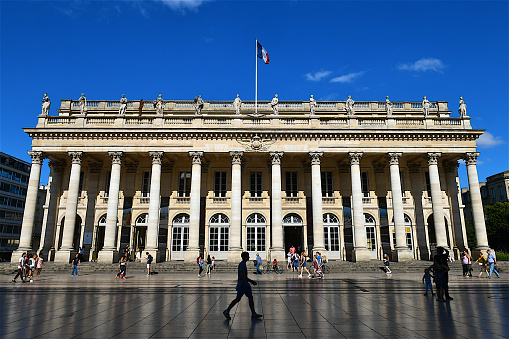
[294, 236]
[408, 233]
[99, 237]
[219, 236]
[370, 226]
[179, 236]
[140, 231]
[255, 235]
[331, 235]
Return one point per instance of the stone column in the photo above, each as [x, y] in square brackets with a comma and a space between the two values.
[154, 205]
[457, 220]
[360, 249]
[436, 200]
[109, 252]
[27, 227]
[316, 196]
[236, 208]
[47, 246]
[475, 198]
[193, 250]
[65, 252]
[277, 251]
[402, 253]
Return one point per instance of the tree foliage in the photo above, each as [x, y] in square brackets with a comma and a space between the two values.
[497, 225]
[471, 239]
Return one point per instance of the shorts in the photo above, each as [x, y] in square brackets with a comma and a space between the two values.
[148, 265]
[303, 264]
[244, 289]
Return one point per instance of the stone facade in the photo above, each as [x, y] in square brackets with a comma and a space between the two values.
[178, 184]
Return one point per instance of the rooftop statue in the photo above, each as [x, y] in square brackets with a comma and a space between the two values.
[83, 103]
[158, 105]
[198, 104]
[312, 105]
[388, 106]
[463, 108]
[45, 104]
[237, 103]
[123, 105]
[273, 105]
[349, 106]
[425, 106]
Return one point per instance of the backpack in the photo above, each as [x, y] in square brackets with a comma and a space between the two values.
[198, 260]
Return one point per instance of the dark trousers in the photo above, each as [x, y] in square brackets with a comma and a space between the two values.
[19, 274]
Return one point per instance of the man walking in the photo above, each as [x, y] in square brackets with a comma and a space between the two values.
[492, 262]
[75, 262]
[21, 266]
[258, 263]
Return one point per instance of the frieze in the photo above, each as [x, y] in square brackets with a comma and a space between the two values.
[256, 144]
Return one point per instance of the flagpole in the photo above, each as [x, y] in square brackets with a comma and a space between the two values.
[256, 78]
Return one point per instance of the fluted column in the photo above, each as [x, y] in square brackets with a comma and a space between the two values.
[277, 251]
[109, 252]
[154, 204]
[475, 198]
[436, 200]
[402, 252]
[47, 245]
[64, 253]
[193, 250]
[316, 196]
[236, 208]
[27, 227]
[360, 249]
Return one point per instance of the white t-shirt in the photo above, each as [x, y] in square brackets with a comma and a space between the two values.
[21, 262]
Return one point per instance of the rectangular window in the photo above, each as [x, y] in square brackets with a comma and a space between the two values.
[402, 185]
[291, 184]
[365, 184]
[428, 185]
[501, 193]
[145, 188]
[327, 188]
[220, 184]
[255, 184]
[214, 239]
[184, 184]
[493, 195]
[80, 189]
[107, 188]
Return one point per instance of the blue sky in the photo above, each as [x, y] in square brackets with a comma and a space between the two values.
[366, 49]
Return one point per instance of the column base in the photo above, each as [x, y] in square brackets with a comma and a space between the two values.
[361, 254]
[108, 256]
[191, 254]
[402, 255]
[64, 256]
[234, 255]
[279, 254]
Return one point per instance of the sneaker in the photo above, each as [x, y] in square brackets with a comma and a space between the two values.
[449, 298]
[31, 280]
[300, 275]
[256, 316]
[226, 314]
[199, 275]
[309, 275]
[13, 280]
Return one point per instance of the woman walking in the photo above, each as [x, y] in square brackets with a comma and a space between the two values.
[40, 264]
[304, 258]
[199, 261]
[482, 261]
[209, 265]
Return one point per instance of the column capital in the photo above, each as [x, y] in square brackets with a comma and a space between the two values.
[432, 157]
[355, 158]
[276, 157]
[315, 157]
[471, 158]
[236, 157]
[197, 157]
[157, 157]
[393, 157]
[116, 157]
[450, 166]
[56, 165]
[76, 157]
[37, 157]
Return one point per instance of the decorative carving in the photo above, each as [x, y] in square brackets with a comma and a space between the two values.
[388, 106]
[343, 167]
[414, 167]
[45, 104]
[312, 106]
[276, 157]
[355, 158]
[116, 157]
[157, 157]
[256, 144]
[463, 108]
[37, 157]
[167, 167]
[236, 157]
[82, 101]
[198, 104]
[393, 157]
[131, 167]
[197, 157]
[349, 106]
[123, 105]
[450, 166]
[471, 158]
[315, 157]
[159, 105]
[76, 157]
[237, 104]
[432, 157]
[95, 166]
[274, 104]
[56, 165]
[379, 167]
[425, 106]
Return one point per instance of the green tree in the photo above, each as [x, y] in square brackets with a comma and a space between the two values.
[497, 225]
[471, 239]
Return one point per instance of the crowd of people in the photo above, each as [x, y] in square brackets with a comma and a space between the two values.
[27, 266]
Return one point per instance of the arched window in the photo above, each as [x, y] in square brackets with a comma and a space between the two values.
[219, 234]
[331, 235]
[292, 219]
[102, 220]
[219, 218]
[142, 220]
[329, 218]
[181, 218]
[255, 234]
[180, 235]
[255, 218]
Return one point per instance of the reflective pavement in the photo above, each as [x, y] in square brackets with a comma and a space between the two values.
[363, 305]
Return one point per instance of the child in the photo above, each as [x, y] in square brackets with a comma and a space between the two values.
[387, 264]
[149, 262]
[242, 288]
[274, 264]
[426, 278]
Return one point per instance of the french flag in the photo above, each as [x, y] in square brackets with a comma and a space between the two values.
[262, 53]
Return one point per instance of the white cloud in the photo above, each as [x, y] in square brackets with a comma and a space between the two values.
[488, 140]
[423, 65]
[317, 76]
[347, 77]
[182, 5]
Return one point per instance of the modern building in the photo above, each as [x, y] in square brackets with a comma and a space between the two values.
[178, 178]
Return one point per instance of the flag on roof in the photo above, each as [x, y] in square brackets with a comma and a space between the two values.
[262, 54]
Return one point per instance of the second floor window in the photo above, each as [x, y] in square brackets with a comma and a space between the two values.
[256, 184]
[107, 188]
[428, 185]
[184, 184]
[220, 184]
[145, 188]
[365, 184]
[291, 184]
[327, 189]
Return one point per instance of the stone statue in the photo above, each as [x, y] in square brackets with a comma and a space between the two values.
[349, 106]
[463, 108]
[312, 105]
[158, 105]
[425, 106]
[45, 104]
[198, 104]
[388, 106]
[273, 105]
[237, 103]
[83, 103]
[123, 105]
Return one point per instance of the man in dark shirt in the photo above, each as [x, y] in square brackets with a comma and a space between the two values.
[242, 288]
[75, 262]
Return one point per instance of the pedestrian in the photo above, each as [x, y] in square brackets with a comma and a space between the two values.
[40, 264]
[80, 252]
[317, 266]
[274, 264]
[122, 268]
[127, 252]
[426, 279]
[258, 264]
[387, 264]
[75, 262]
[289, 264]
[492, 262]
[209, 264]
[138, 255]
[243, 288]
[149, 262]
[26, 271]
[303, 260]
[438, 269]
[21, 268]
[31, 266]
[199, 261]
[296, 262]
[213, 263]
[466, 263]
[482, 262]
[443, 254]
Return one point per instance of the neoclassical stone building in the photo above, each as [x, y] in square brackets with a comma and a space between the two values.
[180, 178]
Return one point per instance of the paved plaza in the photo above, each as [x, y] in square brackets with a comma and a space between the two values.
[365, 305]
